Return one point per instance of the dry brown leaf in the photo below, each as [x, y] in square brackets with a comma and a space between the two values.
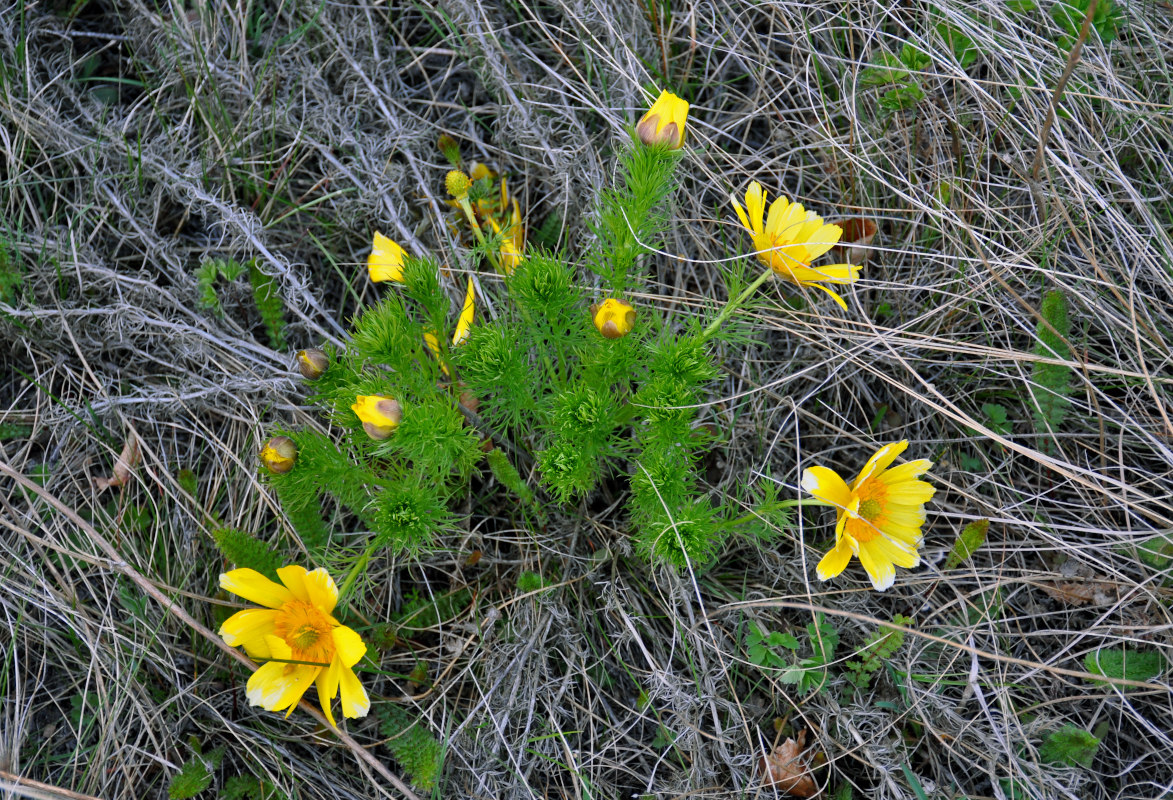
[787, 770]
[856, 243]
[127, 460]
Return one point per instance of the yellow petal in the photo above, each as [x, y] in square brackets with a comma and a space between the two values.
[298, 680]
[741, 213]
[266, 686]
[905, 472]
[464, 324]
[836, 273]
[755, 206]
[846, 515]
[777, 209]
[385, 263]
[321, 589]
[249, 625]
[822, 239]
[328, 687]
[911, 493]
[880, 461]
[877, 565]
[826, 485]
[293, 576]
[834, 295]
[899, 553]
[355, 702]
[252, 585]
[834, 562]
[349, 646]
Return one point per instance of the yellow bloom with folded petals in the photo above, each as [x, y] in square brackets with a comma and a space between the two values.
[279, 455]
[880, 514]
[791, 238]
[614, 318]
[464, 324]
[513, 242]
[664, 123]
[379, 415]
[385, 262]
[299, 640]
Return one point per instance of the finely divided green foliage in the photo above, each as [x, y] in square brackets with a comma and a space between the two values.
[880, 646]
[1051, 383]
[419, 753]
[504, 471]
[268, 302]
[245, 550]
[409, 516]
[582, 421]
[632, 215]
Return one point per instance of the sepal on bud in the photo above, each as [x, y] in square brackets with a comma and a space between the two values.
[279, 455]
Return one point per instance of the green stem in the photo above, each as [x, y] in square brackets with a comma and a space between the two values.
[733, 304]
[466, 207]
[806, 501]
[352, 576]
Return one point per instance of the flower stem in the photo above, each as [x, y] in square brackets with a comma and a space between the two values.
[733, 304]
[806, 501]
[352, 576]
[466, 207]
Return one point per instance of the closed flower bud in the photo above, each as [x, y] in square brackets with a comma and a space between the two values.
[312, 363]
[614, 318]
[279, 455]
[380, 415]
[457, 184]
[663, 125]
[449, 148]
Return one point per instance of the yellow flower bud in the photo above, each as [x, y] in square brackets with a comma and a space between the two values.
[614, 318]
[312, 363]
[449, 148]
[279, 455]
[457, 184]
[380, 415]
[663, 125]
[385, 262]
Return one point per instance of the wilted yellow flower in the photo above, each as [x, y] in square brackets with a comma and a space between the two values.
[279, 455]
[380, 415]
[312, 363]
[464, 324]
[457, 184]
[385, 262]
[791, 239]
[664, 122]
[614, 318]
[295, 625]
[513, 243]
[880, 514]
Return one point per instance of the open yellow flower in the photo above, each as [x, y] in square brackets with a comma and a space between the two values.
[880, 514]
[298, 638]
[791, 239]
[385, 262]
[664, 122]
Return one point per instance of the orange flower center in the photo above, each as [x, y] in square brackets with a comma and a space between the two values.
[307, 630]
[871, 508]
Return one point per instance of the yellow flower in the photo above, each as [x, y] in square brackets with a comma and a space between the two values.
[385, 262]
[880, 514]
[614, 318]
[664, 122]
[464, 324]
[295, 625]
[380, 415]
[279, 455]
[513, 243]
[791, 239]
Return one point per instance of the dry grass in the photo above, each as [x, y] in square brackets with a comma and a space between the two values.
[139, 140]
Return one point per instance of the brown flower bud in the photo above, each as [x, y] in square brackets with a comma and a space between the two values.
[312, 363]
